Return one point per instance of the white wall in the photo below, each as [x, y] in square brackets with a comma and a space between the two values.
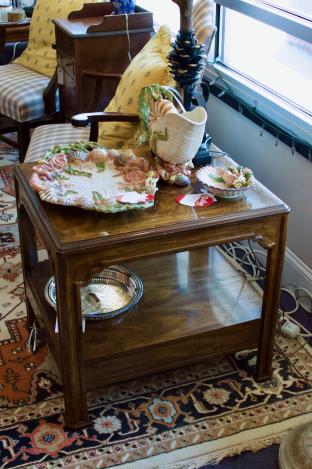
[288, 176]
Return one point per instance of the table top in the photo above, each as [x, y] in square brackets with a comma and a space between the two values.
[15, 24]
[97, 19]
[74, 225]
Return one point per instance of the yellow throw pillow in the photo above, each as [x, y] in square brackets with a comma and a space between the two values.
[39, 55]
[149, 66]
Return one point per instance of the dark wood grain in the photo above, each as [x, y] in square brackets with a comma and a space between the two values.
[70, 225]
[271, 301]
[199, 292]
[195, 303]
[92, 10]
[13, 32]
[97, 44]
[162, 357]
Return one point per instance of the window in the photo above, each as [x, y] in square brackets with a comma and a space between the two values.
[280, 62]
[298, 7]
[264, 54]
[164, 12]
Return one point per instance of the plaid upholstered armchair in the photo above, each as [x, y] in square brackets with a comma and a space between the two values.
[113, 127]
[28, 86]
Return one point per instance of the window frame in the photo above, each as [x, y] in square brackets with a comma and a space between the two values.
[286, 115]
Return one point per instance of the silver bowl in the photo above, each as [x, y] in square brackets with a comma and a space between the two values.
[114, 291]
[229, 194]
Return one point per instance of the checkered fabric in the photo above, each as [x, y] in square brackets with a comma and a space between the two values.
[46, 136]
[203, 21]
[21, 92]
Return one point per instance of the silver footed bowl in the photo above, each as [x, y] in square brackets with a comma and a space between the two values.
[114, 291]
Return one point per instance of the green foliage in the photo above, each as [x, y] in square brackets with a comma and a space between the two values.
[69, 192]
[147, 95]
[217, 179]
[158, 136]
[70, 170]
[82, 146]
[100, 166]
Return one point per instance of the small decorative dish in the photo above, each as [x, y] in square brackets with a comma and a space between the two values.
[114, 291]
[226, 182]
[97, 179]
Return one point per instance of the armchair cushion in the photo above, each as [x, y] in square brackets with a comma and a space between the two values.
[39, 55]
[21, 92]
[149, 66]
[46, 136]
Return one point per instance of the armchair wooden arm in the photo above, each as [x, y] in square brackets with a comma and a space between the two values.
[49, 95]
[93, 118]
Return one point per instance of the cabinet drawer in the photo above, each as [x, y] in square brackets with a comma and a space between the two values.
[64, 43]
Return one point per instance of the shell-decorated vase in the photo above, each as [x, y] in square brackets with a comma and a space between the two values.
[175, 137]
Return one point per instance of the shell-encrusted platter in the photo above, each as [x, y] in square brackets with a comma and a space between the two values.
[100, 179]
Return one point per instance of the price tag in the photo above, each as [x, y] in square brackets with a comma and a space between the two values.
[196, 200]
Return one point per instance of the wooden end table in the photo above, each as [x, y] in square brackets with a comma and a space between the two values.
[194, 304]
[13, 32]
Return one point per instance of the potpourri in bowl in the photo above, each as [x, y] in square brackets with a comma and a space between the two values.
[227, 182]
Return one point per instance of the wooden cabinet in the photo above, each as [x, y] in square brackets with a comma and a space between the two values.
[13, 32]
[93, 39]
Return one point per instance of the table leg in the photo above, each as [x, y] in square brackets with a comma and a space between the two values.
[271, 298]
[72, 366]
[28, 246]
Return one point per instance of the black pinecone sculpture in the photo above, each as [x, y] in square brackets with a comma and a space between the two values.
[186, 62]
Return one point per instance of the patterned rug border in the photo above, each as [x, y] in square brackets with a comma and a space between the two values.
[173, 447]
[195, 456]
[212, 452]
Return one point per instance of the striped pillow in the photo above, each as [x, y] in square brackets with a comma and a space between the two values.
[46, 136]
[203, 22]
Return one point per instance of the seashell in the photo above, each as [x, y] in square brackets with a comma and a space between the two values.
[77, 154]
[127, 153]
[49, 195]
[160, 109]
[36, 182]
[97, 155]
[181, 180]
[113, 152]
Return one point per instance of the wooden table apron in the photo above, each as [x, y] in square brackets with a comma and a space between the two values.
[74, 264]
[13, 32]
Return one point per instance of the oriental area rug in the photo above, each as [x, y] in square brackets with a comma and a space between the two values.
[180, 419]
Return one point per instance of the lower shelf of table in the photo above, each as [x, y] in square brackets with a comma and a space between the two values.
[195, 304]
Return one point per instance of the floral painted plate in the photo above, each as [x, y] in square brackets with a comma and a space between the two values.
[99, 179]
[226, 182]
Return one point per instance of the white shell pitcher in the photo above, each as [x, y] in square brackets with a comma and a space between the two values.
[174, 137]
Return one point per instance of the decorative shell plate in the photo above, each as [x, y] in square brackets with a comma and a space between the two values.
[100, 179]
[210, 176]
